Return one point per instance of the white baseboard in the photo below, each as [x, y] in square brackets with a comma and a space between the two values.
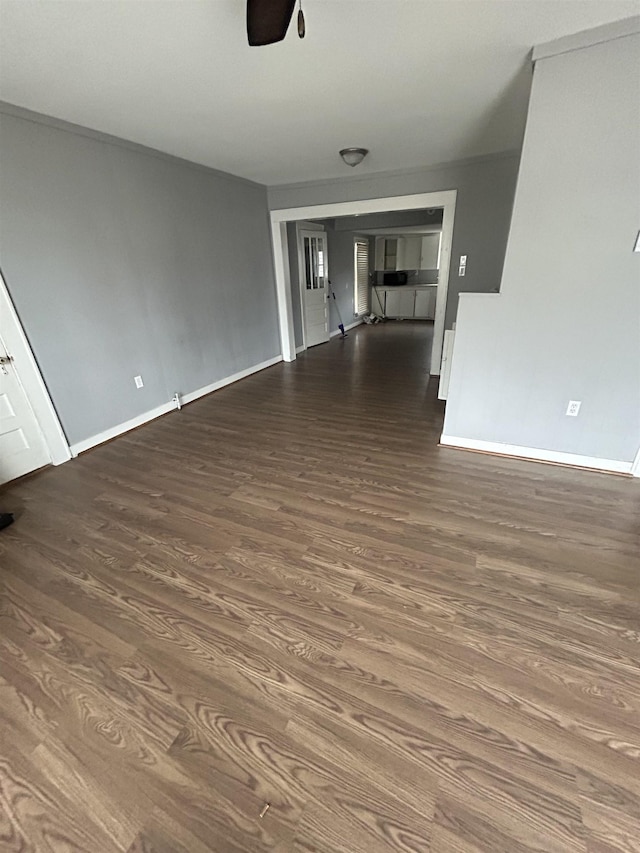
[228, 380]
[300, 349]
[113, 432]
[357, 322]
[145, 417]
[635, 468]
[556, 457]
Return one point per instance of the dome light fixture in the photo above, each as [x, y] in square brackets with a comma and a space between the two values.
[353, 156]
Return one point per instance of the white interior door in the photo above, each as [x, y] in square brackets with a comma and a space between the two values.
[22, 445]
[314, 287]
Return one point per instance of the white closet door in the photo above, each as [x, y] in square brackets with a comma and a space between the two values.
[22, 445]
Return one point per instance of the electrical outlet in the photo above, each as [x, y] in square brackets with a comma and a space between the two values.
[573, 408]
[138, 381]
[461, 270]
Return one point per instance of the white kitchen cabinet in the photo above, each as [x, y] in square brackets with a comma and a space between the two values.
[411, 253]
[392, 303]
[429, 251]
[408, 252]
[390, 253]
[400, 302]
[425, 303]
[405, 302]
[393, 254]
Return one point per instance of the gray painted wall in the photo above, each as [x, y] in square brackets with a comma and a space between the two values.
[121, 261]
[485, 197]
[566, 325]
[341, 273]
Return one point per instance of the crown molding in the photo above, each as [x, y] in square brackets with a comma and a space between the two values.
[588, 38]
[79, 130]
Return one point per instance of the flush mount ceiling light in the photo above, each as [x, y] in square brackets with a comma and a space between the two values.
[353, 156]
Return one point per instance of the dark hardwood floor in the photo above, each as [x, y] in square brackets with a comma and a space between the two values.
[288, 594]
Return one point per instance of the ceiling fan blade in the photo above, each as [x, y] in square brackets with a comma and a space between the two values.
[268, 20]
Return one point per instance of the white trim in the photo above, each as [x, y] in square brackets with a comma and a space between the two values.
[358, 322]
[447, 355]
[300, 349]
[538, 455]
[635, 468]
[587, 38]
[367, 205]
[31, 380]
[353, 180]
[145, 417]
[229, 380]
[108, 139]
[119, 429]
[279, 217]
[283, 290]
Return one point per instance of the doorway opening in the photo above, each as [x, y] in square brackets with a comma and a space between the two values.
[412, 243]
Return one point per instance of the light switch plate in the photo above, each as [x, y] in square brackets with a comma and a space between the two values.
[461, 270]
[138, 381]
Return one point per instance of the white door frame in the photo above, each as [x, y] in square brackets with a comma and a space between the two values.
[32, 382]
[280, 216]
[300, 227]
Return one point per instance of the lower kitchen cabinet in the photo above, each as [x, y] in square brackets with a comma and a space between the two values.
[404, 302]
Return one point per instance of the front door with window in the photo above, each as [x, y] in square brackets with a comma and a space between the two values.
[314, 287]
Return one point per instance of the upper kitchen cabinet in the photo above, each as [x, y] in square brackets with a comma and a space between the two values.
[411, 253]
[388, 253]
[391, 254]
[408, 252]
[430, 251]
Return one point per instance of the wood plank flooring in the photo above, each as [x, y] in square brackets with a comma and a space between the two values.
[288, 594]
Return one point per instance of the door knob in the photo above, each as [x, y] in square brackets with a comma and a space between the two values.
[6, 359]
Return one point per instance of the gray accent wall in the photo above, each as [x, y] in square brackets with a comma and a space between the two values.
[566, 325]
[485, 188]
[123, 262]
[341, 272]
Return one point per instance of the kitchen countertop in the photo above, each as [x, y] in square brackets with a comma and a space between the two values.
[404, 286]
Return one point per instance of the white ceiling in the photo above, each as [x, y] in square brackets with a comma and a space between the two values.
[416, 81]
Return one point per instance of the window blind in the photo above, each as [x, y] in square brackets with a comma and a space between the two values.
[361, 277]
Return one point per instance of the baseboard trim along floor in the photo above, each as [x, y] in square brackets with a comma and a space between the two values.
[346, 328]
[534, 454]
[152, 414]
